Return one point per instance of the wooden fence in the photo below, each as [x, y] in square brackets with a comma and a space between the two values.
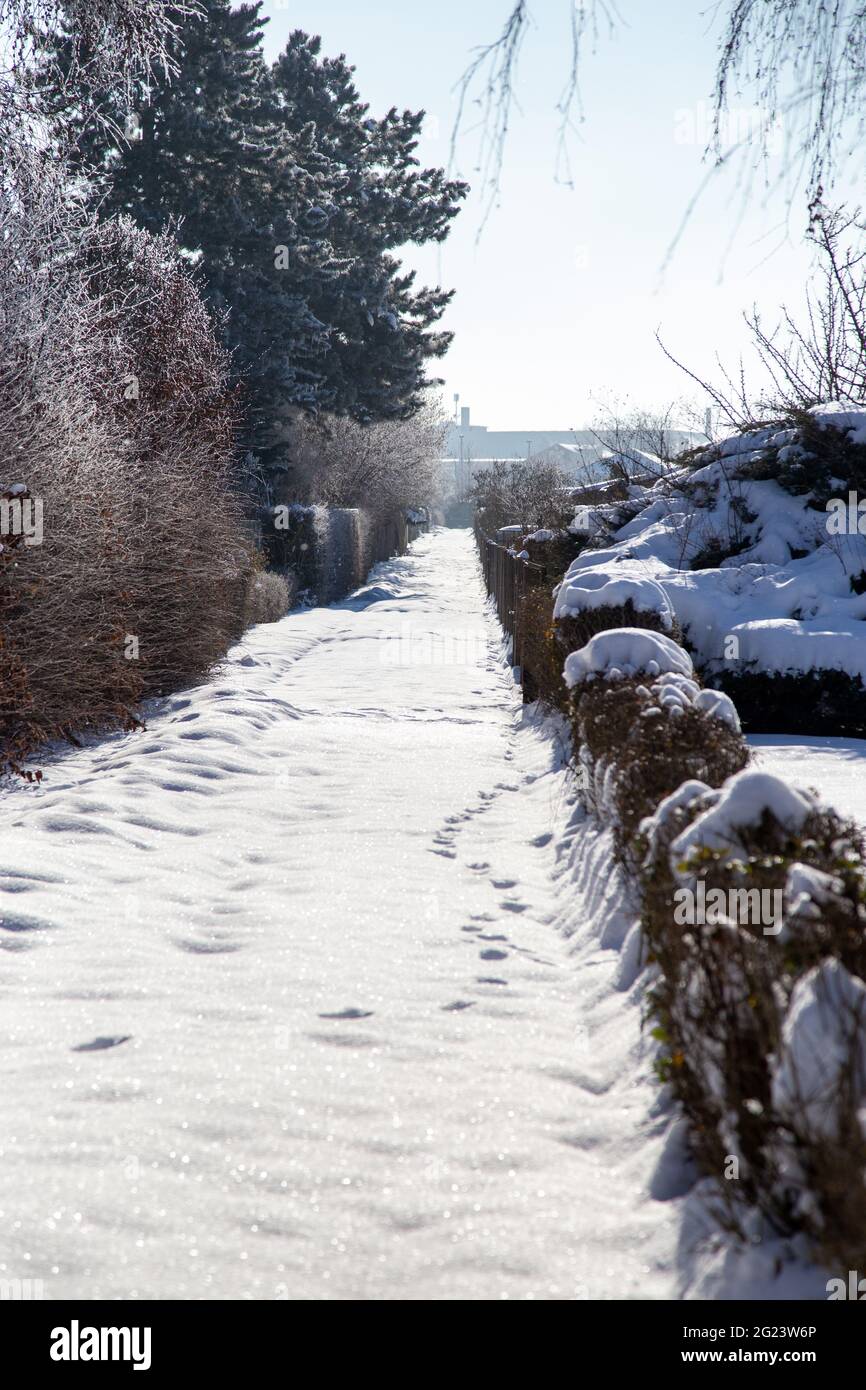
[508, 577]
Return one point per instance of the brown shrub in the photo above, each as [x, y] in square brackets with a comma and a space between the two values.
[720, 1003]
[114, 414]
[572, 633]
[644, 752]
[268, 597]
[537, 651]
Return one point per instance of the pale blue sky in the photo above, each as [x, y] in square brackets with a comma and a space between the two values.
[558, 302]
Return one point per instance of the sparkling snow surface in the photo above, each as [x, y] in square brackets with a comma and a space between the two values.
[304, 996]
[835, 767]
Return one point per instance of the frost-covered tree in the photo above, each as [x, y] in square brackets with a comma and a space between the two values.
[81, 49]
[291, 199]
[385, 466]
[522, 493]
[116, 412]
[199, 154]
[809, 355]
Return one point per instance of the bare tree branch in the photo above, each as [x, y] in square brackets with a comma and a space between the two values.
[490, 79]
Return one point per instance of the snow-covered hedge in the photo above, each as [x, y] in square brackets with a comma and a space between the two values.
[326, 552]
[643, 725]
[624, 652]
[753, 909]
[585, 589]
[756, 555]
[754, 918]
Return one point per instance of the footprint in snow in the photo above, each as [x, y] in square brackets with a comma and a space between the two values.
[490, 980]
[458, 1005]
[350, 1013]
[18, 921]
[100, 1044]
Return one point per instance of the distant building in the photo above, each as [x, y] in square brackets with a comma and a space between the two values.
[467, 441]
[579, 453]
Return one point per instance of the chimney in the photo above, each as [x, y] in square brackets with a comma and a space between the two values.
[464, 417]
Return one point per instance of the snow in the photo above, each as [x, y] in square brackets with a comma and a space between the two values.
[835, 766]
[781, 598]
[583, 590]
[828, 1006]
[322, 987]
[741, 802]
[806, 890]
[651, 827]
[841, 416]
[719, 706]
[624, 652]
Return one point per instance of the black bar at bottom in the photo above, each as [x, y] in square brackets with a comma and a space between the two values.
[162, 1340]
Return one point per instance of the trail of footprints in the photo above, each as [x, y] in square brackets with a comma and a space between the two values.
[493, 945]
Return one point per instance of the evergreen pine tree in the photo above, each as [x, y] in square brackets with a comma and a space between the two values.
[375, 363]
[291, 200]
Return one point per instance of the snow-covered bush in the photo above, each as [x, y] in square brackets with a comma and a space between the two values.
[623, 652]
[591, 601]
[728, 998]
[766, 585]
[583, 590]
[552, 550]
[643, 725]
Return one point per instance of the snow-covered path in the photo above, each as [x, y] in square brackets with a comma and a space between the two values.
[286, 1010]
